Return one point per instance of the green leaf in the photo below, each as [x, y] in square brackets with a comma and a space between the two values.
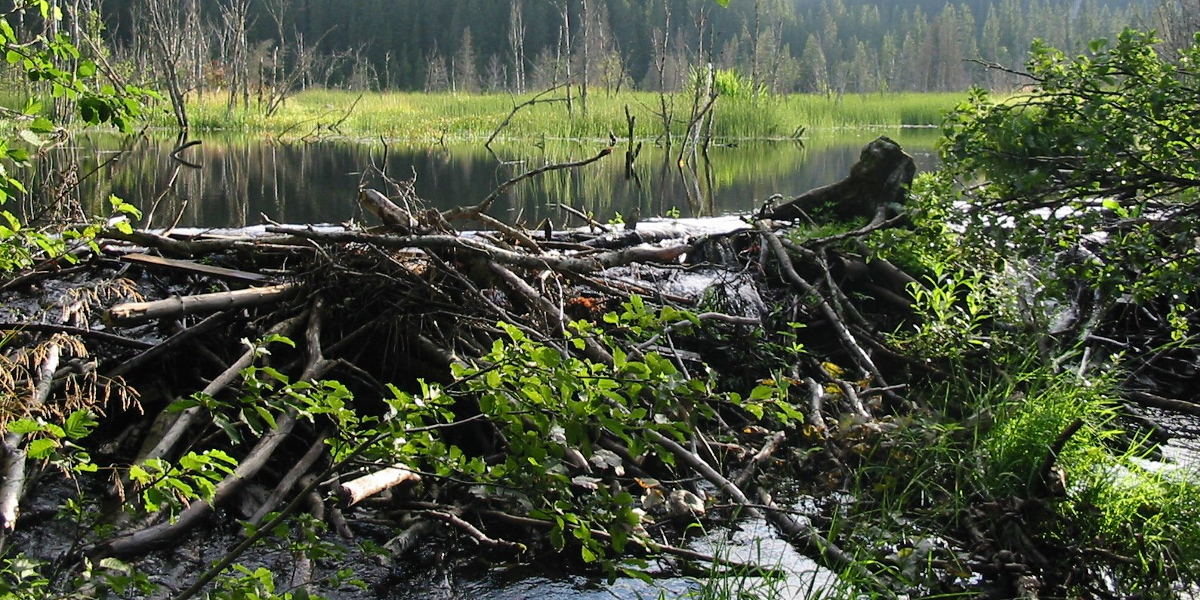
[24, 426]
[80, 424]
[41, 448]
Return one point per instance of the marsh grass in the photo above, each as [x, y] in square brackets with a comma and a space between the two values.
[982, 443]
[423, 117]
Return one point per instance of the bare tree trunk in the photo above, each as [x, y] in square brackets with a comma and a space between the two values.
[587, 59]
[176, 42]
[516, 39]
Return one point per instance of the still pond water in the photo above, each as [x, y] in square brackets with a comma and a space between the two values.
[238, 181]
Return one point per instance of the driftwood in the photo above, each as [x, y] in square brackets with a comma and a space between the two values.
[879, 179]
[387, 211]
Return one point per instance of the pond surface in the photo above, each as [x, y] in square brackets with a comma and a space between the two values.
[239, 181]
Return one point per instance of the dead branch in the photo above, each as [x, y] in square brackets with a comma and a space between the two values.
[100, 336]
[473, 532]
[843, 333]
[162, 446]
[293, 476]
[156, 351]
[538, 99]
[482, 207]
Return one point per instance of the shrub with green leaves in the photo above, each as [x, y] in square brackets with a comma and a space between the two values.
[1099, 154]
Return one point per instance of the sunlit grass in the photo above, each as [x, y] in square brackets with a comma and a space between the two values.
[442, 116]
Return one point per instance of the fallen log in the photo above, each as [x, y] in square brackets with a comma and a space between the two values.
[132, 313]
[879, 179]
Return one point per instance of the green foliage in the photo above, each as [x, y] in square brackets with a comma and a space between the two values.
[42, 61]
[1099, 154]
[953, 309]
[173, 487]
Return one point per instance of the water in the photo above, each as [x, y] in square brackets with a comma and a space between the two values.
[244, 181]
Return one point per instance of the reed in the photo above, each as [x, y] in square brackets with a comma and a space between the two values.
[442, 116]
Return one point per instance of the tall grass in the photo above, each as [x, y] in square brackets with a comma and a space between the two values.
[424, 117]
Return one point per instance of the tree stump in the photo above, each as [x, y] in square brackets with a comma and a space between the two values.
[880, 178]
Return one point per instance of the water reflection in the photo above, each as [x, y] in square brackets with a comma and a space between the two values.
[243, 181]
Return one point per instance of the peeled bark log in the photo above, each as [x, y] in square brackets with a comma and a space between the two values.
[355, 491]
[880, 178]
[132, 313]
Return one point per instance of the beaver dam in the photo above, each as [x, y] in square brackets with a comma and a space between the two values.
[292, 411]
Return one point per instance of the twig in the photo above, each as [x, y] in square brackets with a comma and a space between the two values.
[538, 99]
[468, 212]
[78, 332]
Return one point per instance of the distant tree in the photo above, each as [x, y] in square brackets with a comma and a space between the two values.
[495, 75]
[466, 76]
[235, 48]
[437, 76]
[814, 69]
[172, 28]
[1179, 21]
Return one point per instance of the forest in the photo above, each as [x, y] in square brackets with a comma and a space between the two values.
[816, 46]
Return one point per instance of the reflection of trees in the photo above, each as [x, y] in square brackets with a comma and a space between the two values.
[316, 182]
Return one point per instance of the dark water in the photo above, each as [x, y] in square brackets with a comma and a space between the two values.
[241, 181]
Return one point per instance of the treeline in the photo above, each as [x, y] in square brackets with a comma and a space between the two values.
[822, 46]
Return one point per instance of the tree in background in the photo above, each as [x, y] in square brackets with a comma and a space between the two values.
[173, 30]
[466, 76]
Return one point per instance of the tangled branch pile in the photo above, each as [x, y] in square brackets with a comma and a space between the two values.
[566, 394]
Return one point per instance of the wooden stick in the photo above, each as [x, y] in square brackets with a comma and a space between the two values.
[809, 539]
[188, 266]
[581, 264]
[156, 536]
[468, 212]
[356, 490]
[291, 478]
[132, 313]
[848, 342]
[165, 444]
[13, 486]
[100, 336]
[154, 352]
[473, 532]
[743, 477]
[387, 211]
